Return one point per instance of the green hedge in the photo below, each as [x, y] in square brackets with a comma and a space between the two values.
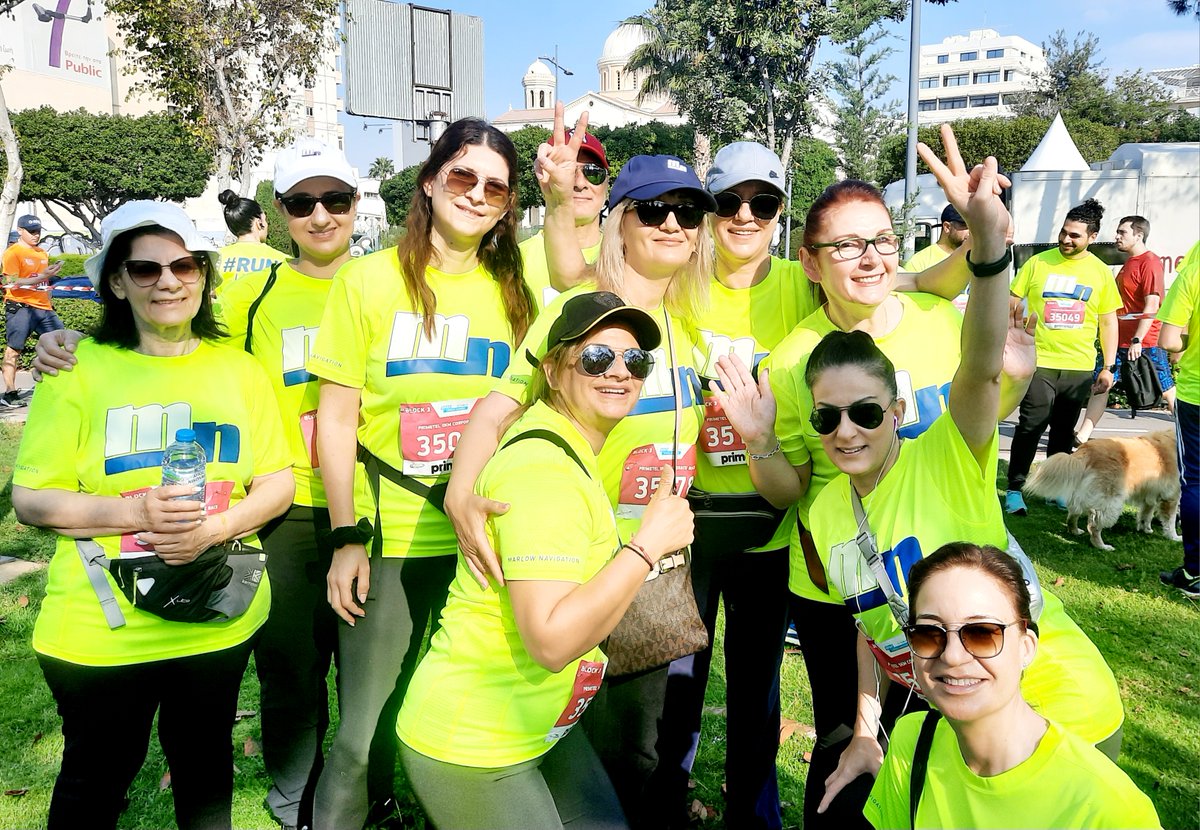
[81, 315]
[72, 264]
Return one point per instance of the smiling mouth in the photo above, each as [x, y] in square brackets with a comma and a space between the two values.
[960, 682]
[470, 212]
[873, 279]
[851, 450]
[612, 390]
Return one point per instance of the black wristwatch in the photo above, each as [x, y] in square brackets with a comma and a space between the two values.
[1112, 370]
[1133, 340]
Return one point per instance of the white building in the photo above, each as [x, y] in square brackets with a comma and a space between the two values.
[614, 105]
[974, 75]
[1184, 84]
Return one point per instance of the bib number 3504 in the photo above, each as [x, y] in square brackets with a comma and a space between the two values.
[429, 434]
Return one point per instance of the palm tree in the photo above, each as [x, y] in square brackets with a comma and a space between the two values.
[381, 168]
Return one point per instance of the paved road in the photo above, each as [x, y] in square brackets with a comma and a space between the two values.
[1115, 423]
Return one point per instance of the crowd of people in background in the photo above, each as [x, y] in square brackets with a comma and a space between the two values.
[464, 461]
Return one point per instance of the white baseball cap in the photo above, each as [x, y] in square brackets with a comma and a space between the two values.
[745, 161]
[144, 213]
[307, 159]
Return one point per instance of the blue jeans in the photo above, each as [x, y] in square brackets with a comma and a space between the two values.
[1187, 432]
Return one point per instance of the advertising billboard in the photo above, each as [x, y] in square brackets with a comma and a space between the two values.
[60, 38]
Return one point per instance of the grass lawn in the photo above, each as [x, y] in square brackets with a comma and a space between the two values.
[1150, 636]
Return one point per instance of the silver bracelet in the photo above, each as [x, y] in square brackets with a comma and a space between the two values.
[765, 456]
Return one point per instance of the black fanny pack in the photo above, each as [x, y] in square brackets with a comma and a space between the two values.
[758, 518]
[219, 584]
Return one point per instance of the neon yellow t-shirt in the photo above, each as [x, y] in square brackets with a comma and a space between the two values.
[101, 430]
[417, 392]
[749, 323]
[642, 441]
[478, 699]
[240, 259]
[1181, 307]
[285, 327]
[1069, 295]
[936, 493]
[537, 272]
[924, 347]
[1065, 784]
[928, 256]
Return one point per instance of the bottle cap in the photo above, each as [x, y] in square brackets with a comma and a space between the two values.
[185, 435]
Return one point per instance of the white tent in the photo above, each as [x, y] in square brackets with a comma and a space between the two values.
[1057, 151]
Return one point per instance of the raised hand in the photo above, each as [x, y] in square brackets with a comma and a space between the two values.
[974, 193]
[749, 405]
[1020, 352]
[555, 163]
[667, 524]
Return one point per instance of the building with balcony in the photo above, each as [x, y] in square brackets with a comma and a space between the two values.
[975, 75]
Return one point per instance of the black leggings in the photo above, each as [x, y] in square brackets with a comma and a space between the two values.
[107, 712]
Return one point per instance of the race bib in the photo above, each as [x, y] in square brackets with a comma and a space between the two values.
[588, 677]
[429, 433]
[639, 477]
[308, 429]
[896, 659]
[719, 441]
[1064, 314]
[216, 500]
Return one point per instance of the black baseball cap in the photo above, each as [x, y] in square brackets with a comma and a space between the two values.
[30, 223]
[584, 312]
[951, 214]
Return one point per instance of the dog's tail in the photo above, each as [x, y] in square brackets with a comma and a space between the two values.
[1060, 476]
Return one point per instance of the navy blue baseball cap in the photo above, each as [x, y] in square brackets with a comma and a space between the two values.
[648, 177]
[30, 223]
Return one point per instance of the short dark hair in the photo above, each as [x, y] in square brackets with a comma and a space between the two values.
[1140, 224]
[983, 558]
[1090, 213]
[116, 326]
[850, 348]
[240, 213]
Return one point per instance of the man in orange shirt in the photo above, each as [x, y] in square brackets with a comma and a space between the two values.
[27, 310]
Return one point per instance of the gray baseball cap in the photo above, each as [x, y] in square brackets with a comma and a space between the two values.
[744, 161]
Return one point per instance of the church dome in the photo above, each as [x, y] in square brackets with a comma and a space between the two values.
[619, 45]
[538, 71]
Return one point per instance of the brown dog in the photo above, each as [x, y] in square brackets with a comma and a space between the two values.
[1103, 474]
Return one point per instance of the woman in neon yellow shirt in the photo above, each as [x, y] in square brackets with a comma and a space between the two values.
[250, 253]
[411, 338]
[995, 762]
[487, 723]
[89, 467]
[656, 256]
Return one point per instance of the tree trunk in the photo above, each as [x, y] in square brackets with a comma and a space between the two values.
[15, 174]
[703, 150]
[246, 177]
[224, 165]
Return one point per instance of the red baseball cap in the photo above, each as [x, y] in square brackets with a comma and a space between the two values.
[591, 145]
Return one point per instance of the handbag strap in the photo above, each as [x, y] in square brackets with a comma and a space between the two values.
[870, 554]
[920, 763]
[555, 439]
[675, 394]
[375, 468]
[274, 275]
[93, 557]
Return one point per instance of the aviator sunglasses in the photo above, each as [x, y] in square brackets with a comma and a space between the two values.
[653, 213]
[146, 272]
[980, 639]
[762, 205]
[301, 205]
[461, 181]
[825, 419]
[594, 173]
[596, 359]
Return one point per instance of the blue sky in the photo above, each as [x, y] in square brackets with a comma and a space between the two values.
[1133, 34]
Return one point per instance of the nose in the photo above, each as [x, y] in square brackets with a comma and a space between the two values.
[167, 280]
[871, 256]
[670, 224]
[955, 654]
[744, 214]
[846, 428]
[581, 183]
[320, 216]
[617, 369]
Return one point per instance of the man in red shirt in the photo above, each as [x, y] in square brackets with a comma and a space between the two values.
[27, 274]
[1140, 284]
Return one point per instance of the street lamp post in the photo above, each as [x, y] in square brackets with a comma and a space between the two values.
[558, 67]
[910, 159]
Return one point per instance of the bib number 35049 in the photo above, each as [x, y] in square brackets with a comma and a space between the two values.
[429, 434]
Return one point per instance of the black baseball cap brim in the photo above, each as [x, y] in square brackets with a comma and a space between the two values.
[584, 312]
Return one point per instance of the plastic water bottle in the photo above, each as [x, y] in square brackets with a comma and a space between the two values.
[183, 463]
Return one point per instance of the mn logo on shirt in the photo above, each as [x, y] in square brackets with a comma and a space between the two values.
[296, 344]
[923, 407]
[719, 344]
[135, 436]
[658, 393]
[449, 351]
[1065, 286]
[854, 580]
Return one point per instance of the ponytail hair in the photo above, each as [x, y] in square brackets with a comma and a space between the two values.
[497, 252]
[850, 348]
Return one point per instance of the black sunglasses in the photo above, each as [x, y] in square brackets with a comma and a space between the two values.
[596, 358]
[762, 205]
[594, 173]
[980, 639]
[303, 204]
[146, 272]
[825, 419]
[654, 212]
